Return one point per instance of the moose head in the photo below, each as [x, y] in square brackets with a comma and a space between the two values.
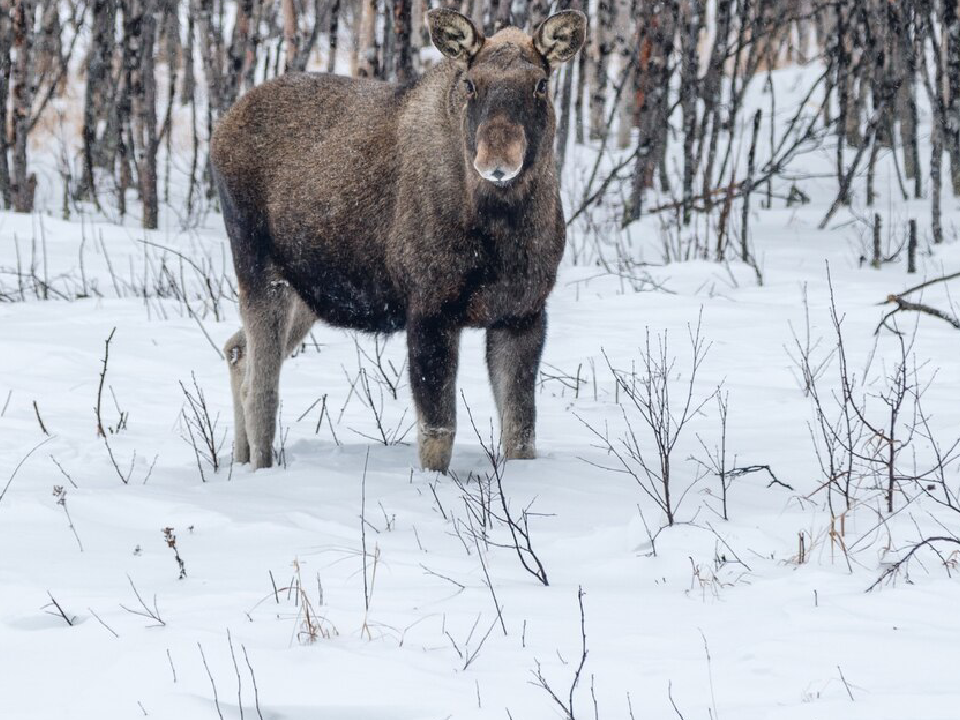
[501, 93]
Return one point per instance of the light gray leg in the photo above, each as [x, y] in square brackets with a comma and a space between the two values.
[274, 321]
[513, 361]
[236, 353]
[433, 348]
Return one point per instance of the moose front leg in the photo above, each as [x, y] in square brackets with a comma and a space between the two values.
[433, 347]
[513, 360]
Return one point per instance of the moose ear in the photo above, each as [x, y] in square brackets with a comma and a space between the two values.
[560, 36]
[454, 34]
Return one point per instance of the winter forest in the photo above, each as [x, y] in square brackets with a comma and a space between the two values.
[745, 500]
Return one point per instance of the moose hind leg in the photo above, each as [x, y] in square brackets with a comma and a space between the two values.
[236, 353]
[433, 349]
[267, 321]
[513, 360]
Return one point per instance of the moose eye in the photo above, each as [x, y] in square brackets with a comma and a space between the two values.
[469, 86]
[541, 88]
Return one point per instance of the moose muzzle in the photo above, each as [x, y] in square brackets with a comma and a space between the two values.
[501, 146]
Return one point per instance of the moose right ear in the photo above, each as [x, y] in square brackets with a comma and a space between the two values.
[454, 34]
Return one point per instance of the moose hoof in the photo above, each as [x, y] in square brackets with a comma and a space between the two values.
[241, 453]
[436, 447]
[525, 451]
[262, 459]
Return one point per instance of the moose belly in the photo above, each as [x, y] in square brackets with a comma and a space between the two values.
[360, 299]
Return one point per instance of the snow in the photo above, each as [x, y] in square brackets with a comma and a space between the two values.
[723, 618]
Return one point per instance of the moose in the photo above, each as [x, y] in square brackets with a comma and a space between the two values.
[430, 208]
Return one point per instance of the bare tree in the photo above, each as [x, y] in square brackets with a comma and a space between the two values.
[369, 65]
[950, 22]
[601, 45]
[24, 82]
[141, 22]
[403, 55]
[651, 406]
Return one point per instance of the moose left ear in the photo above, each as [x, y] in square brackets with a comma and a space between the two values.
[454, 34]
[560, 36]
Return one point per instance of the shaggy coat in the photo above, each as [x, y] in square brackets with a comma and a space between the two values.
[426, 208]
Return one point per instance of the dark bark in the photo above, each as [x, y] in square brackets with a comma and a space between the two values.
[144, 21]
[747, 187]
[189, 87]
[713, 95]
[402, 49]
[578, 110]
[688, 98]
[842, 63]
[6, 41]
[102, 43]
[333, 29]
[24, 79]
[951, 131]
[602, 45]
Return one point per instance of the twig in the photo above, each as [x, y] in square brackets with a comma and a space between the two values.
[62, 471]
[43, 427]
[216, 697]
[253, 679]
[146, 611]
[236, 669]
[895, 568]
[69, 620]
[845, 683]
[103, 376]
[20, 464]
[489, 584]
[567, 707]
[100, 620]
[60, 493]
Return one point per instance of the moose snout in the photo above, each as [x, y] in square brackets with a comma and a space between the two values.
[501, 146]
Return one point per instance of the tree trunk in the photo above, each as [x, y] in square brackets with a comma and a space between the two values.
[602, 45]
[291, 33]
[403, 53]
[189, 87]
[842, 65]
[657, 41]
[102, 45]
[579, 119]
[237, 53]
[6, 40]
[143, 91]
[368, 65]
[951, 47]
[332, 29]
[690, 32]
[563, 127]
[625, 42]
[938, 127]
[24, 79]
[539, 9]
[713, 96]
[504, 16]
[907, 92]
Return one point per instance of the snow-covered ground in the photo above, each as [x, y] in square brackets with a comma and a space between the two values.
[723, 618]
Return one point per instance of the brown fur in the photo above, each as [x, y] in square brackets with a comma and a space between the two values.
[358, 203]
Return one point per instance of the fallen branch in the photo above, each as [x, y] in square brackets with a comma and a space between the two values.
[895, 568]
[905, 305]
